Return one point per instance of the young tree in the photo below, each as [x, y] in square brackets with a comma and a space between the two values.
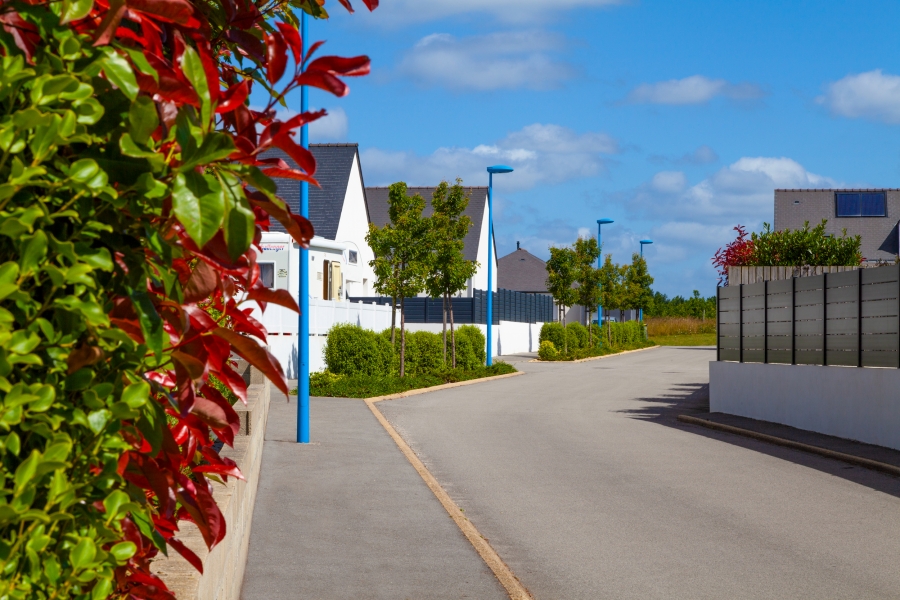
[561, 274]
[448, 270]
[404, 246]
[588, 278]
[637, 293]
[611, 288]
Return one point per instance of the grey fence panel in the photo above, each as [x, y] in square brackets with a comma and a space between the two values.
[825, 316]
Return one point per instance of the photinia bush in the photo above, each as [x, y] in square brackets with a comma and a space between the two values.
[132, 199]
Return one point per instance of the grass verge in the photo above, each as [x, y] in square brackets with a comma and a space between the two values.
[697, 339]
[369, 386]
[604, 350]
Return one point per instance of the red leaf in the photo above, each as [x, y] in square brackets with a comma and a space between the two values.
[234, 381]
[187, 553]
[256, 355]
[324, 81]
[293, 39]
[290, 174]
[339, 65]
[244, 323]
[279, 297]
[234, 96]
[214, 410]
[300, 228]
[174, 11]
[371, 4]
[247, 44]
[203, 282]
[110, 22]
[301, 155]
[276, 53]
[346, 4]
[202, 509]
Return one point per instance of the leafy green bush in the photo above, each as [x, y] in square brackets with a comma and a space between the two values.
[547, 351]
[424, 352]
[367, 386]
[578, 333]
[470, 347]
[553, 332]
[621, 334]
[352, 350]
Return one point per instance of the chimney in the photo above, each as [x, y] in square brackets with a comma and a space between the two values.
[517, 244]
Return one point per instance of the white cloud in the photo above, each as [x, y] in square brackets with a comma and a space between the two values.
[695, 89]
[668, 182]
[509, 11]
[331, 128]
[871, 95]
[538, 153]
[504, 60]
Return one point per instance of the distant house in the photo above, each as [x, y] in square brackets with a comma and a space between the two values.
[522, 271]
[339, 256]
[476, 243]
[872, 214]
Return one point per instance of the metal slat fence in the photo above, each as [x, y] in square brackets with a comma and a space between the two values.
[508, 306]
[849, 318]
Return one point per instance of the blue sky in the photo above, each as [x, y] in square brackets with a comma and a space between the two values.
[676, 119]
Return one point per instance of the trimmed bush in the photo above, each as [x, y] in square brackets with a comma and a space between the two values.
[579, 333]
[352, 350]
[470, 347]
[621, 334]
[424, 352]
[553, 332]
[547, 351]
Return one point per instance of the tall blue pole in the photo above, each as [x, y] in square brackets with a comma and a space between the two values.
[303, 271]
[600, 265]
[490, 285]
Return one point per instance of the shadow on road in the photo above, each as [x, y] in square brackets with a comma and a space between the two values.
[693, 399]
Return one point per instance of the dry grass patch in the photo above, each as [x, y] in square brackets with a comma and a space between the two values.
[671, 326]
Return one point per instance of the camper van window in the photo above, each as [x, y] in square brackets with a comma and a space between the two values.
[351, 257]
[267, 274]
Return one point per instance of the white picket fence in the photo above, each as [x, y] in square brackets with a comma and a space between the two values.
[282, 326]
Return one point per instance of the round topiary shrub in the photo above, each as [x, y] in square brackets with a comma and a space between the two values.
[553, 332]
[424, 352]
[352, 350]
[547, 350]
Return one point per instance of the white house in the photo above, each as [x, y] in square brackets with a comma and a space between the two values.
[338, 255]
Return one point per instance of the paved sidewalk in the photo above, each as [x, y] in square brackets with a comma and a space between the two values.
[348, 517]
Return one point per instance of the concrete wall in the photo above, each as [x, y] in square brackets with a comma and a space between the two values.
[223, 568]
[861, 404]
[509, 337]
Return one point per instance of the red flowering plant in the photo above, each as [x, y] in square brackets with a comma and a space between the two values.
[133, 189]
[735, 254]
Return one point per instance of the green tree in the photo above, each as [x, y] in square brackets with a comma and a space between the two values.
[612, 288]
[637, 293]
[562, 271]
[587, 294]
[402, 250]
[448, 269]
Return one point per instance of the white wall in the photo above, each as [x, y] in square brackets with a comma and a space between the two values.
[509, 337]
[849, 402]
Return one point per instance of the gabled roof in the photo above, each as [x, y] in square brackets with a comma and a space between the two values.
[522, 271]
[333, 165]
[377, 201]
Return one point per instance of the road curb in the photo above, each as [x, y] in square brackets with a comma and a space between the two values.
[581, 360]
[501, 571]
[437, 388]
[848, 458]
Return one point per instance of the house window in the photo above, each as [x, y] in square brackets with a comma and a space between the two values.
[351, 257]
[267, 274]
[860, 204]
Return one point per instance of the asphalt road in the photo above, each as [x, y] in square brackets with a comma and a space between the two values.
[587, 486]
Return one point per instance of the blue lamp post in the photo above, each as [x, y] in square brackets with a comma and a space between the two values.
[490, 283]
[641, 317]
[600, 224]
[303, 319]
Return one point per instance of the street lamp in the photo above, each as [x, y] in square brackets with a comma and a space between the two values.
[600, 224]
[641, 317]
[490, 285]
[303, 319]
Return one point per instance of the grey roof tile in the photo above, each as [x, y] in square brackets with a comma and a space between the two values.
[377, 201]
[522, 271]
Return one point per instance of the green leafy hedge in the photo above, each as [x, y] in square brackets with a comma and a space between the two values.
[352, 350]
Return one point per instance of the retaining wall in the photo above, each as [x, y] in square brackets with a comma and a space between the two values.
[848, 402]
[223, 568]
